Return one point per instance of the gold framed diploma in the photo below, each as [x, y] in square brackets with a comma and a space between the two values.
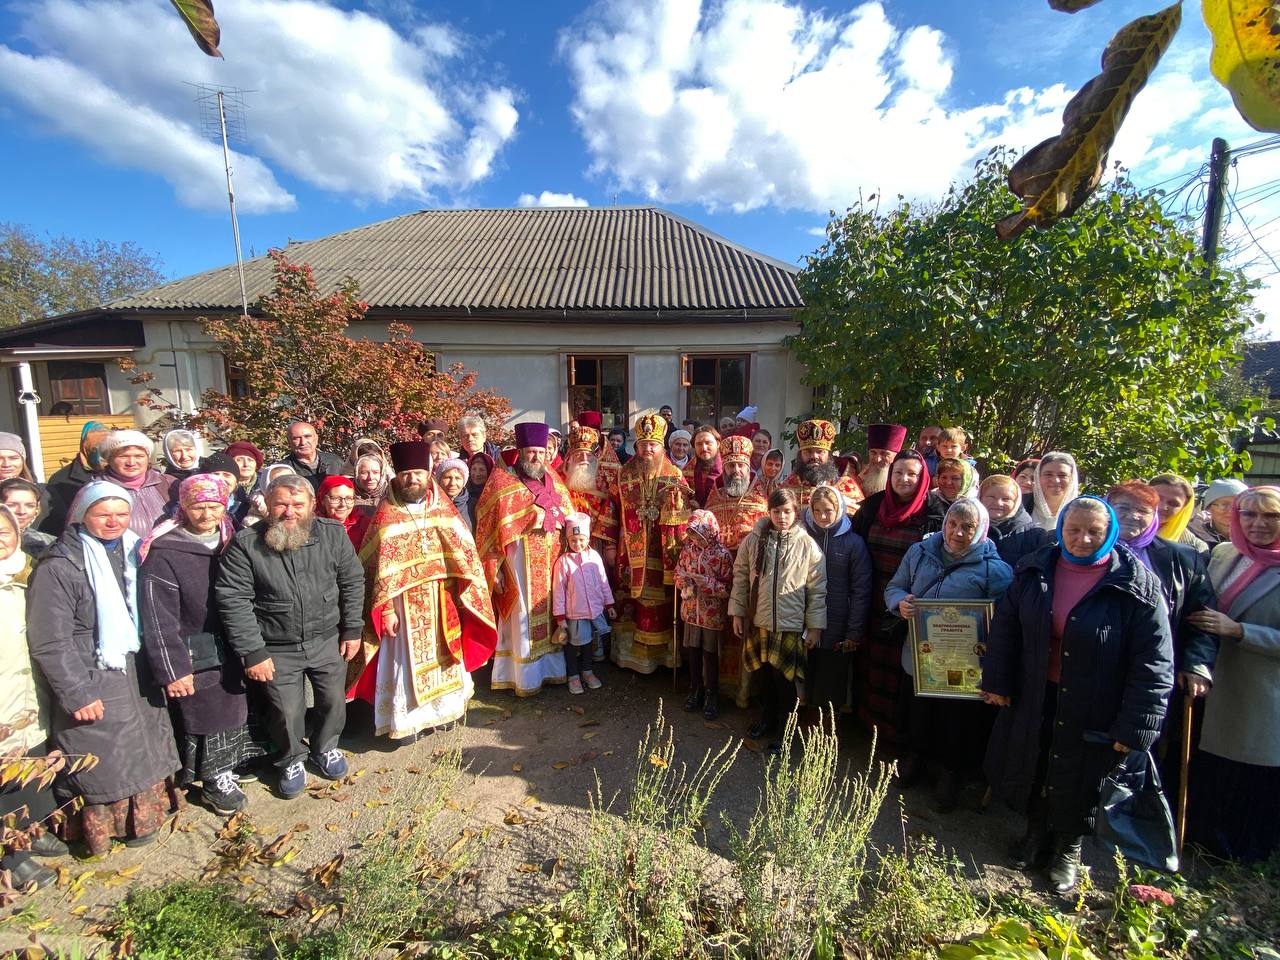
[948, 641]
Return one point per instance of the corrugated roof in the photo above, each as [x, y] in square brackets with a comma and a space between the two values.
[579, 258]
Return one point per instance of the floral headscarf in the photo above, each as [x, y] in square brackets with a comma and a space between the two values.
[197, 488]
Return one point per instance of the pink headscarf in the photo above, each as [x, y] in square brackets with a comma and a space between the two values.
[198, 488]
[1262, 558]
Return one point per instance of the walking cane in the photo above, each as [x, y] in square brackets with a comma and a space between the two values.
[1187, 703]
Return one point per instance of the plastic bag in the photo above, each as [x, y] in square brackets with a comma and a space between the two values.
[1133, 813]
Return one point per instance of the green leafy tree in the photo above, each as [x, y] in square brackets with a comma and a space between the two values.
[299, 362]
[1105, 336]
[41, 277]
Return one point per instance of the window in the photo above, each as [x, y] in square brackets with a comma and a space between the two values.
[715, 387]
[237, 383]
[81, 386]
[598, 383]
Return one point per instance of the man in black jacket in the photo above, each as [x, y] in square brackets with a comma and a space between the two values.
[306, 457]
[291, 595]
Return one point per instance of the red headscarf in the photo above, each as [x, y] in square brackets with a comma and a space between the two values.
[1262, 557]
[356, 522]
[895, 514]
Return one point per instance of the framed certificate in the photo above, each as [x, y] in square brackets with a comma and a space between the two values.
[948, 640]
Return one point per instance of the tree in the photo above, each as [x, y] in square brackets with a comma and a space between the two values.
[1106, 336]
[298, 362]
[40, 278]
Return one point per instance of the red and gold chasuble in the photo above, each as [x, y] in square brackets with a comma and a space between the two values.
[599, 505]
[847, 485]
[653, 513]
[429, 561]
[507, 513]
[737, 515]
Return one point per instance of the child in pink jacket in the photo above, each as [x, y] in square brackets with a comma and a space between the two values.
[580, 601]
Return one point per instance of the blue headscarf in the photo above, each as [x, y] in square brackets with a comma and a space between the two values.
[1113, 533]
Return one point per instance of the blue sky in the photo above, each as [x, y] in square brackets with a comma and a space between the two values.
[753, 117]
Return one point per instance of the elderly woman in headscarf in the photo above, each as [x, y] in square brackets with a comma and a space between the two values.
[24, 705]
[452, 475]
[83, 630]
[889, 522]
[478, 469]
[1235, 778]
[1080, 658]
[372, 474]
[959, 563]
[127, 456]
[183, 640]
[66, 483]
[1185, 582]
[1002, 497]
[181, 450]
[1057, 483]
[1213, 523]
[337, 500]
[1177, 507]
[258, 499]
[956, 479]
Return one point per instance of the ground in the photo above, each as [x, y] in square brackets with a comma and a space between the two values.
[523, 802]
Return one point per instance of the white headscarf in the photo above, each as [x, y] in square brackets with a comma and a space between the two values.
[117, 611]
[1045, 518]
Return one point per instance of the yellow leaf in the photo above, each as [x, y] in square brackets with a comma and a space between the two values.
[657, 761]
[529, 801]
[1056, 176]
[332, 827]
[528, 868]
[516, 767]
[514, 818]
[130, 871]
[561, 764]
[1246, 56]
[589, 734]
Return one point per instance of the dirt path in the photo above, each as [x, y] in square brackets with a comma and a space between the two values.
[538, 758]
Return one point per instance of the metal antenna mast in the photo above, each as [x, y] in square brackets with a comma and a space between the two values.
[222, 120]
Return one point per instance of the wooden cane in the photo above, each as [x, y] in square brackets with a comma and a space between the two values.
[1188, 702]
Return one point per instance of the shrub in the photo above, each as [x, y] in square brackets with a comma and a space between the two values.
[187, 920]
[640, 883]
[801, 861]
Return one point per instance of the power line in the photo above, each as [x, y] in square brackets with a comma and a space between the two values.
[1249, 230]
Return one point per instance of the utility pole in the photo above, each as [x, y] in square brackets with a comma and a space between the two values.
[1219, 158]
[231, 198]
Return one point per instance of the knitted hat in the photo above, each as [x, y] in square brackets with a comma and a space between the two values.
[119, 439]
[1222, 488]
[220, 462]
[11, 441]
[243, 448]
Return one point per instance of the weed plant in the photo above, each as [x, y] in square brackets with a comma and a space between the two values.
[640, 884]
[801, 861]
[187, 920]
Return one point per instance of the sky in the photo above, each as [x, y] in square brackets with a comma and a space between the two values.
[754, 118]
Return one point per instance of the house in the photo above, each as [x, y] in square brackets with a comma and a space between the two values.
[1261, 365]
[618, 309]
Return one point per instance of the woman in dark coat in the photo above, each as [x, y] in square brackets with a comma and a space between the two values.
[1010, 521]
[889, 522]
[1184, 578]
[848, 599]
[82, 628]
[182, 636]
[1080, 657]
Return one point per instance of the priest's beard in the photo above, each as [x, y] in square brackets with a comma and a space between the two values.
[813, 474]
[873, 478]
[534, 471]
[412, 492]
[647, 467]
[283, 537]
[738, 486]
[581, 477]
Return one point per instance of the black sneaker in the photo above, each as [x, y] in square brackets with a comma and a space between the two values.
[223, 795]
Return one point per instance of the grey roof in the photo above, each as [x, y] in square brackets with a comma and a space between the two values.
[1262, 361]
[561, 259]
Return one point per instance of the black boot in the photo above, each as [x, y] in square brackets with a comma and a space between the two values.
[762, 728]
[1064, 867]
[712, 710]
[1032, 851]
[26, 871]
[946, 795]
[695, 701]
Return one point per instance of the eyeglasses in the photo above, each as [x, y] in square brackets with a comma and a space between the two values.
[340, 499]
[1248, 516]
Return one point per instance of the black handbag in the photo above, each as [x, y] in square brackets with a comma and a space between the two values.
[1133, 813]
[207, 651]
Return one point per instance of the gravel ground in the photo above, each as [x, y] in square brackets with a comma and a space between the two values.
[538, 757]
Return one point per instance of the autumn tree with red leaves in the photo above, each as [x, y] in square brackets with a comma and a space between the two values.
[299, 363]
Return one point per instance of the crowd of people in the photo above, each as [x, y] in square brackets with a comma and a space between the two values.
[205, 620]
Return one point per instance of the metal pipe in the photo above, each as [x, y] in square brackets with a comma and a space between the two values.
[29, 400]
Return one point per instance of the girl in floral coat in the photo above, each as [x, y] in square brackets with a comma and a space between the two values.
[704, 574]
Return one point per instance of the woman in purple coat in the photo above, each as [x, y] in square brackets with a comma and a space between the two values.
[182, 636]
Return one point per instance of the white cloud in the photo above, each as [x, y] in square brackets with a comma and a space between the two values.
[549, 199]
[340, 99]
[749, 103]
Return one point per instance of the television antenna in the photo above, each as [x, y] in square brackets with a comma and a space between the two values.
[222, 121]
